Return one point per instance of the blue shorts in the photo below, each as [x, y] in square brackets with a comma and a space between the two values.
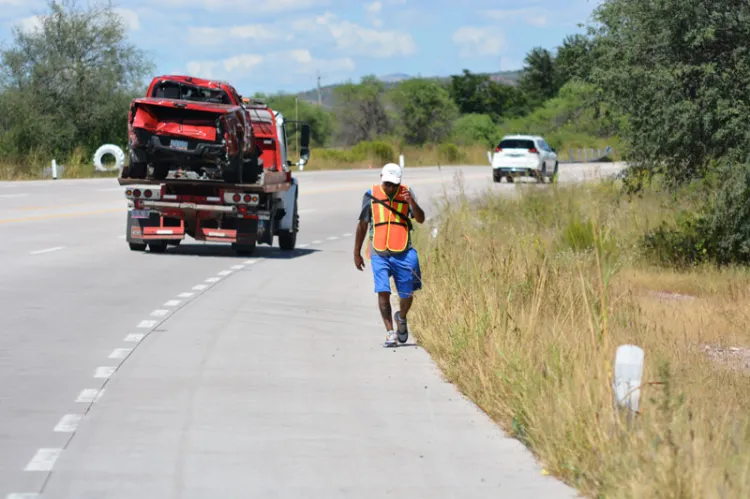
[404, 268]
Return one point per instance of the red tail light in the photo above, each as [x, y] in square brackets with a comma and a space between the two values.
[147, 193]
[237, 198]
[498, 149]
[247, 198]
[533, 150]
[137, 193]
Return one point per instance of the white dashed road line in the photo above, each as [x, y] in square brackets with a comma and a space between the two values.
[30, 495]
[159, 313]
[68, 423]
[43, 460]
[104, 371]
[134, 338]
[185, 295]
[48, 250]
[120, 353]
[19, 195]
[147, 324]
[172, 303]
[89, 395]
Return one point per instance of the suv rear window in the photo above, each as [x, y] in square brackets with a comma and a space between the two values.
[516, 144]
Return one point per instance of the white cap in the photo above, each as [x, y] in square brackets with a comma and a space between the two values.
[391, 173]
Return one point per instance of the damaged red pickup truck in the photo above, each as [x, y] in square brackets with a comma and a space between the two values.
[208, 164]
[194, 124]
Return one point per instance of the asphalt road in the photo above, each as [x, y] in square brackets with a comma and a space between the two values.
[197, 373]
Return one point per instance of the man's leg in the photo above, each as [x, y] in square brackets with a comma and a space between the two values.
[407, 275]
[381, 272]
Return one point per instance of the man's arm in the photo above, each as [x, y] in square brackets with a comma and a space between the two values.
[415, 208]
[361, 233]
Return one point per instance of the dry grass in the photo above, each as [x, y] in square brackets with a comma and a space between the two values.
[524, 303]
[33, 167]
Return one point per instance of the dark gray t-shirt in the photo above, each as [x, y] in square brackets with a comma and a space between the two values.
[365, 215]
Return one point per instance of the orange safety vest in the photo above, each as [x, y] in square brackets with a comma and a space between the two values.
[390, 231]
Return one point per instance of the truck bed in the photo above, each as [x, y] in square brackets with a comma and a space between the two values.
[269, 182]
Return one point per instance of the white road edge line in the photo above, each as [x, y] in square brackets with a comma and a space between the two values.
[68, 423]
[317, 242]
[43, 460]
[332, 238]
[303, 245]
[48, 250]
[26, 495]
[224, 273]
[348, 234]
[200, 287]
[250, 262]
[238, 267]
[213, 279]
[90, 395]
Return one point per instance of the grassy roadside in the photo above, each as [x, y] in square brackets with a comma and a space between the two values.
[363, 156]
[526, 300]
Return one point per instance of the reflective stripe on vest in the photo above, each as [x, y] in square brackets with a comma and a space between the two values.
[390, 231]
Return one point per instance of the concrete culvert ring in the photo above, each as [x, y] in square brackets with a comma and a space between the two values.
[109, 149]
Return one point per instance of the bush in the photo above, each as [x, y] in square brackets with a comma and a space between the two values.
[719, 232]
[449, 153]
[380, 152]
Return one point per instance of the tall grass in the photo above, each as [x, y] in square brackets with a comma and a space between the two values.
[525, 301]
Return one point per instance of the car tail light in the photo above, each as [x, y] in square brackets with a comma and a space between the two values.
[498, 149]
[533, 150]
[237, 198]
[137, 193]
[147, 193]
[247, 198]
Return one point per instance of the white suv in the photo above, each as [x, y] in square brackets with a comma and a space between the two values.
[523, 155]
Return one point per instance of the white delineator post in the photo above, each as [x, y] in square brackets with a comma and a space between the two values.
[401, 160]
[54, 169]
[627, 377]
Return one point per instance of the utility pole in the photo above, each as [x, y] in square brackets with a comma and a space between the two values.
[320, 95]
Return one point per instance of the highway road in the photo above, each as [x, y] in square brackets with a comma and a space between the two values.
[197, 373]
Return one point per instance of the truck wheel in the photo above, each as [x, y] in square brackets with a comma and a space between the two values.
[288, 239]
[244, 249]
[137, 246]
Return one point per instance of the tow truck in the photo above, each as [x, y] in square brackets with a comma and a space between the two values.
[185, 180]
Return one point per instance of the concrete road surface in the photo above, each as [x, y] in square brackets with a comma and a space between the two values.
[197, 374]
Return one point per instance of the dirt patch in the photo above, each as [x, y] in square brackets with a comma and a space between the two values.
[667, 295]
[733, 357]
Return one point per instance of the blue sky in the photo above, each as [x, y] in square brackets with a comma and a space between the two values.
[281, 45]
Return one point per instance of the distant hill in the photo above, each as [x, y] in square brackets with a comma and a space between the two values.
[390, 80]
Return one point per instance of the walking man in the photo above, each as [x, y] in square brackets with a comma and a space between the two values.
[387, 209]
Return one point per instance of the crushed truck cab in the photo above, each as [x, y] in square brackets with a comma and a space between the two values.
[238, 190]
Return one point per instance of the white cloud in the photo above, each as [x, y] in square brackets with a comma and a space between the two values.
[129, 17]
[252, 66]
[353, 39]
[217, 36]
[474, 41]
[536, 16]
[256, 7]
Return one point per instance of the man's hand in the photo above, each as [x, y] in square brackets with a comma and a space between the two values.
[408, 198]
[359, 262]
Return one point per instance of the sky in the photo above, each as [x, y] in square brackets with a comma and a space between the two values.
[284, 45]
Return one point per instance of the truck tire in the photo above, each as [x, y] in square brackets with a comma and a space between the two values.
[288, 238]
[137, 246]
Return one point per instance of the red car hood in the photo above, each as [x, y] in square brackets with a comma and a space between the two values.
[196, 120]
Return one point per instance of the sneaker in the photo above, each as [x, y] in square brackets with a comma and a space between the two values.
[390, 339]
[403, 329]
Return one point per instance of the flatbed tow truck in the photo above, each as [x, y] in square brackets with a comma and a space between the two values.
[186, 201]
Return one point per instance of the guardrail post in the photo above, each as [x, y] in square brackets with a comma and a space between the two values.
[628, 373]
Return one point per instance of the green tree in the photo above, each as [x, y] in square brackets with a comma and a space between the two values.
[539, 80]
[475, 129]
[425, 110]
[320, 121]
[478, 94]
[360, 111]
[573, 59]
[680, 71]
[69, 82]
